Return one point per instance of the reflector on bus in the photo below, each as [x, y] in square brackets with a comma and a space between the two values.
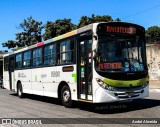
[39, 44]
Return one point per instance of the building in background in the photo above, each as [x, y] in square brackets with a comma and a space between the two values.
[1, 62]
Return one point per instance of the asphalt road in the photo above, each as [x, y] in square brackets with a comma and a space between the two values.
[43, 107]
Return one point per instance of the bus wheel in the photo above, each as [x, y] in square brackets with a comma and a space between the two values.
[66, 96]
[20, 90]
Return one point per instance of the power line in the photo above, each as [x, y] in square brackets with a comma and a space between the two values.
[137, 13]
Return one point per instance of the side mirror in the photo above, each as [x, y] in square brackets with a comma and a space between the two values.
[95, 37]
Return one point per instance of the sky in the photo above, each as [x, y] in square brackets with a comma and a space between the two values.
[12, 12]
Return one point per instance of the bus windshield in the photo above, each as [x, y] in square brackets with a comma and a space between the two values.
[125, 54]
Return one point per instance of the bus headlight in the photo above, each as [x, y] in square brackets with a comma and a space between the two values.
[104, 85]
[145, 84]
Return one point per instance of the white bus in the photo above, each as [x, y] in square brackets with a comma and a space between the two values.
[98, 63]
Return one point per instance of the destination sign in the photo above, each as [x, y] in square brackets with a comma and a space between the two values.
[119, 28]
[117, 65]
[114, 29]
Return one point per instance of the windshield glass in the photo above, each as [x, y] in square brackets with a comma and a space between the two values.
[125, 54]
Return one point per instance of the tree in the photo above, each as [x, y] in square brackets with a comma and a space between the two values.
[93, 19]
[117, 20]
[152, 34]
[83, 21]
[50, 30]
[59, 27]
[31, 34]
[31, 29]
[10, 44]
[153, 31]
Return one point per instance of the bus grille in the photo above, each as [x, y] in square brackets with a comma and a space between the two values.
[128, 94]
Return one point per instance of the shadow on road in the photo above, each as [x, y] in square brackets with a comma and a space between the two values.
[40, 98]
[111, 108]
[103, 108]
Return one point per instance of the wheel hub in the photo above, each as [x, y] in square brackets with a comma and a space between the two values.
[66, 96]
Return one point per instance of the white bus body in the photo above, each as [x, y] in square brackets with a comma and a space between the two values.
[49, 80]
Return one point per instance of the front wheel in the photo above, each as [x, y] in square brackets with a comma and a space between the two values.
[66, 96]
[20, 90]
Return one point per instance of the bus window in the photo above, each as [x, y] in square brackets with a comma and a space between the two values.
[37, 57]
[66, 49]
[27, 59]
[6, 63]
[18, 64]
[50, 55]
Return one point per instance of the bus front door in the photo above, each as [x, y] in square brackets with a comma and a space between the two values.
[11, 72]
[85, 69]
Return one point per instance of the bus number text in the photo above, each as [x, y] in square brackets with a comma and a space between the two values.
[55, 73]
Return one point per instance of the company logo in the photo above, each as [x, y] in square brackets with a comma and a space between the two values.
[6, 121]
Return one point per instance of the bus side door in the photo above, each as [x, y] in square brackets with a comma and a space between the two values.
[84, 68]
[11, 72]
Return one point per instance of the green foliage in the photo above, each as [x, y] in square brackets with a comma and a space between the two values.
[94, 19]
[153, 31]
[83, 21]
[59, 27]
[117, 20]
[31, 29]
[31, 34]
[50, 30]
[152, 34]
[10, 44]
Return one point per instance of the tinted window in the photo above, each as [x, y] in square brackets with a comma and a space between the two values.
[6, 62]
[66, 51]
[50, 55]
[120, 54]
[37, 57]
[18, 64]
[27, 59]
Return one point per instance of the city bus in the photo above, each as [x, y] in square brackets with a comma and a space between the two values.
[100, 63]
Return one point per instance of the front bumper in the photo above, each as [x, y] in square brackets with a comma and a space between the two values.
[103, 96]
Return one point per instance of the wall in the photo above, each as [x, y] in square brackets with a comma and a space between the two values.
[153, 60]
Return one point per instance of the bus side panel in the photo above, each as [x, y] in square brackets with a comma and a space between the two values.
[26, 76]
[13, 80]
[37, 85]
[95, 84]
[50, 84]
[17, 77]
[6, 83]
[70, 77]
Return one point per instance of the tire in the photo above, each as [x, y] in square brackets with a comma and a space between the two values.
[66, 97]
[20, 90]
